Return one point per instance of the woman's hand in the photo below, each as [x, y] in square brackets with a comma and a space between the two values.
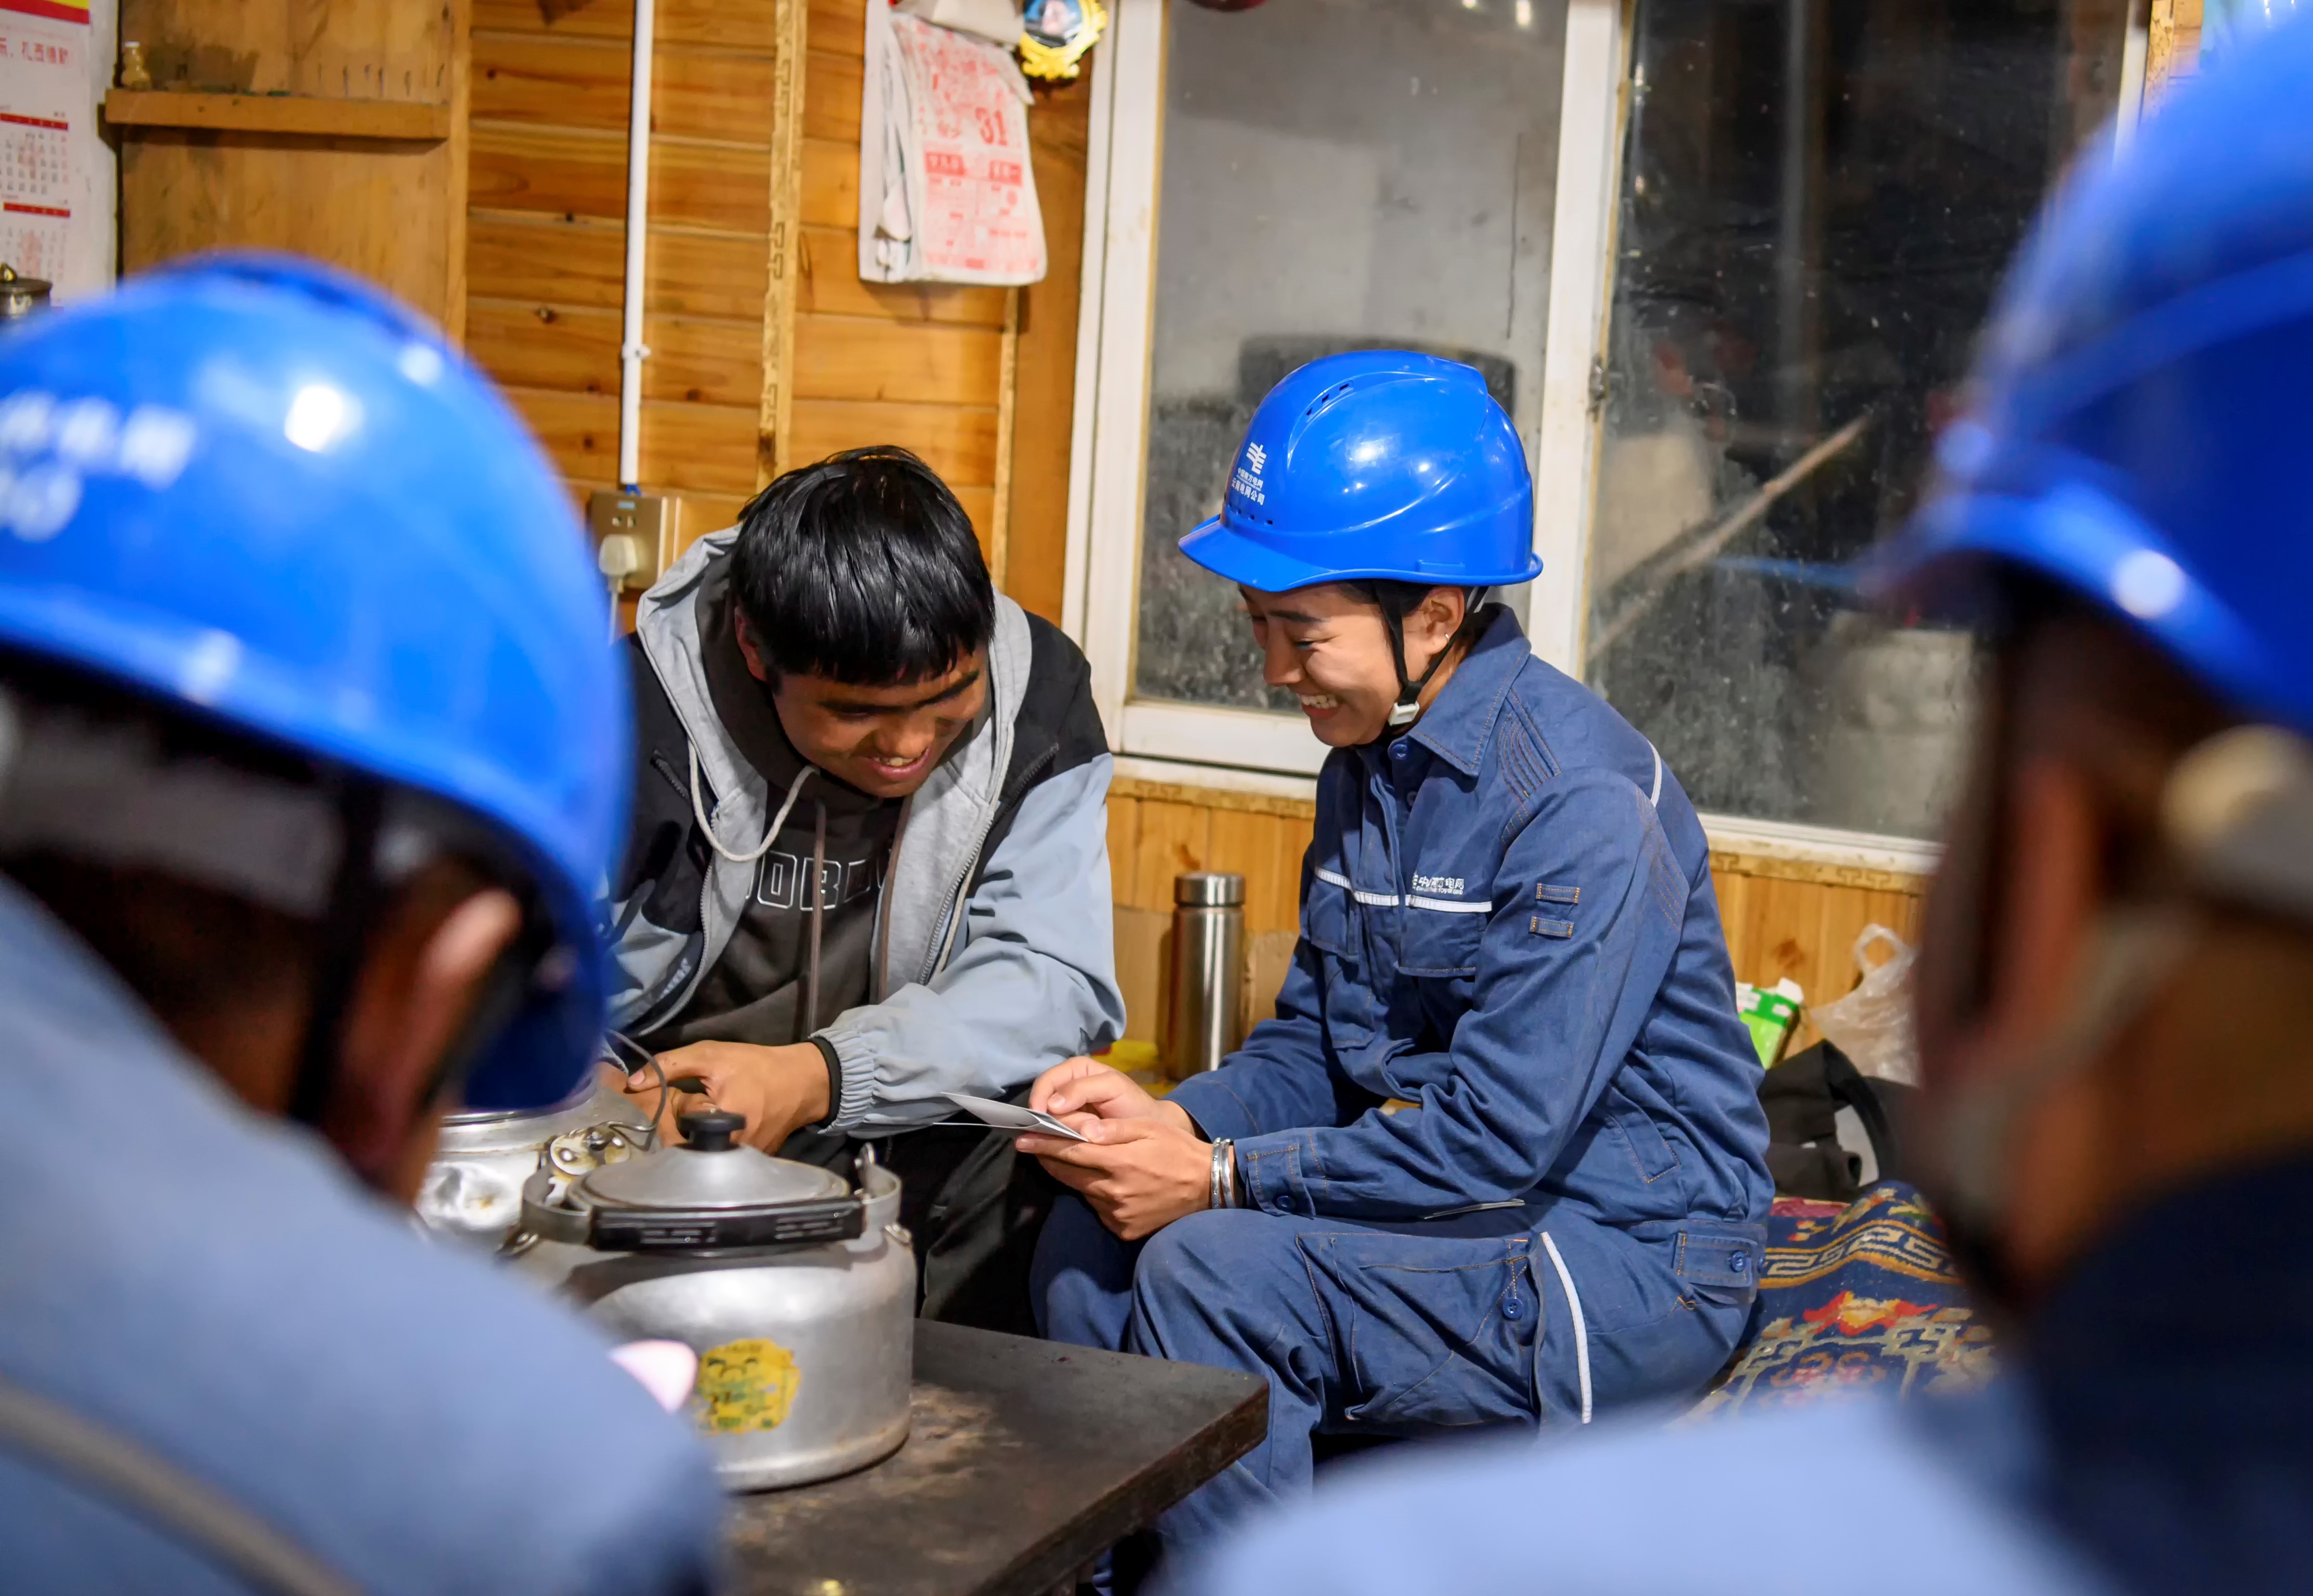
[1090, 1089]
[779, 1090]
[1138, 1173]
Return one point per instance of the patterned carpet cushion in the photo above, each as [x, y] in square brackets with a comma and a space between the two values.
[1855, 1297]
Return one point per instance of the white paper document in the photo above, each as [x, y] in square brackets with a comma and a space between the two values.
[1012, 1116]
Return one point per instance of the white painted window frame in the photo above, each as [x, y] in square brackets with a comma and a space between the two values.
[1199, 745]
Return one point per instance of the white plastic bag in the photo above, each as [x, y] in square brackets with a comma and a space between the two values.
[1872, 1024]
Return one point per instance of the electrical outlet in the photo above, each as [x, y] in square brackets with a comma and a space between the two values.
[649, 520]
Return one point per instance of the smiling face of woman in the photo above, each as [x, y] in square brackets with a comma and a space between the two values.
[1330, 647]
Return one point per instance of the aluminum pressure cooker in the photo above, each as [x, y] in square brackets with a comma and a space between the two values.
[472, 1190]
[795, 1289]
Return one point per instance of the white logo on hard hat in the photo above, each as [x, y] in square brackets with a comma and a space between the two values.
[1247, 478]
[49, 447]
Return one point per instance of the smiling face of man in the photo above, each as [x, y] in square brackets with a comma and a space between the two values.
[884, 740]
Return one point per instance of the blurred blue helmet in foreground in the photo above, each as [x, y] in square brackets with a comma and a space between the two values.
[1377, 465]
[2142, 431]
[261, 492]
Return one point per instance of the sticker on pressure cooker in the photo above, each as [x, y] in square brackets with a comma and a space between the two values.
[744, 1386]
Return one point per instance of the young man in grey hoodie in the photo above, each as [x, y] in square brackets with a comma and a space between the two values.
[832, 692]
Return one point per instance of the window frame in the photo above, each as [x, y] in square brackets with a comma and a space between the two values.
[1196, 744]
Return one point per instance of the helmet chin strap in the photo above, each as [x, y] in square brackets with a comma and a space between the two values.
[1408, 707]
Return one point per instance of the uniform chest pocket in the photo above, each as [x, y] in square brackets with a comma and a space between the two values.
[1442, 939]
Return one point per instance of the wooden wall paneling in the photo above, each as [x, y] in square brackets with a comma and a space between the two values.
[1044, 406]
[576, 349]
[580, 261]
[923, 362]
[720, 184]
[830, 284]
[378, 209]
[417, 121]
[956, 441]
[720, 94]
[998, 536]
[2172, 47]
[1246, 844]
[832, 111]
[353, 50]
[709, 448]
[830, 184]
[728, 24]
[456, 161]
[1173, 837]
[1123, 843]
[390, 210]
[791, 93]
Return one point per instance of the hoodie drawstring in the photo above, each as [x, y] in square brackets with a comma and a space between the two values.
[818, 912]
[770, 833]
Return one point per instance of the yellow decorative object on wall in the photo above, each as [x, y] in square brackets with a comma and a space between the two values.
[744, 1386]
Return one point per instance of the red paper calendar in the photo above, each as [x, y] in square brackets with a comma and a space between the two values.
[45, 116]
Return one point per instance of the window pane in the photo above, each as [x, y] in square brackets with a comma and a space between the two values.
[1819, 199]
[1338, 174]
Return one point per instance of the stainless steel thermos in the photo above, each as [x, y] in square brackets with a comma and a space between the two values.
[1208, 1022]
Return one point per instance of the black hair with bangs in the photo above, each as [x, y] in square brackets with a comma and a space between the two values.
[862, 569]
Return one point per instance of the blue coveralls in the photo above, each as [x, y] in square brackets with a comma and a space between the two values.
[1508, 925]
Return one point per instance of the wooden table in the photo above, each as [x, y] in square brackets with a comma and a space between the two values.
[1028, 1459]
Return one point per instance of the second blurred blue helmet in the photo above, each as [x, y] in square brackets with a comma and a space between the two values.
[1375, 465]
[2141, 433]
[260, 490]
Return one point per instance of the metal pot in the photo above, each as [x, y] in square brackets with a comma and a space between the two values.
[473, 1188]
[797, 1291]
[22, 296]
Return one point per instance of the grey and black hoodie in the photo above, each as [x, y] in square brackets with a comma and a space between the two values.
[994, 955]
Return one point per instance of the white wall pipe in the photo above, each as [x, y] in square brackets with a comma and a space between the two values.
[632, 352]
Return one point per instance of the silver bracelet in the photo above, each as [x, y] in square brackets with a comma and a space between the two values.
[1222, 1191]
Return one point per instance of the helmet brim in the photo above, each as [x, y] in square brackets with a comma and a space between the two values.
[1948, 560]
[1267, 570]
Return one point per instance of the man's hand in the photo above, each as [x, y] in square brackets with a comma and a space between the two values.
[779, 1090]
[1087, 1087]
[1138, 1174]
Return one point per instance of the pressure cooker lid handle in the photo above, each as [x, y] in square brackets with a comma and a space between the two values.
[711, 1130]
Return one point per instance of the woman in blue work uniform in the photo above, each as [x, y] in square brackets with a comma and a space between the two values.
[1499, 1158]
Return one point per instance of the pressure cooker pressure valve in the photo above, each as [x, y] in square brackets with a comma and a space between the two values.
[712, 1130]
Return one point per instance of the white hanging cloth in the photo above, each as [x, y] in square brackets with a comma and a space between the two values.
[946, 193]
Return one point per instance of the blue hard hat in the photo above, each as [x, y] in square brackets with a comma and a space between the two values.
[2139, 431]
[1380, 464]
[260, 489]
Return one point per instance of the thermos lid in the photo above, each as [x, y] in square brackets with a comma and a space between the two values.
[711, 1170]
[1208, 889]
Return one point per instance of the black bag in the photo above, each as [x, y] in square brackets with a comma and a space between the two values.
[1802, 1097]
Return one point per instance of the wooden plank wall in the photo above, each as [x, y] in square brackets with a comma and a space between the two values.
[547, 235]
[2173, 49]
[918, 365]
[392, 210]
[1782, 918]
